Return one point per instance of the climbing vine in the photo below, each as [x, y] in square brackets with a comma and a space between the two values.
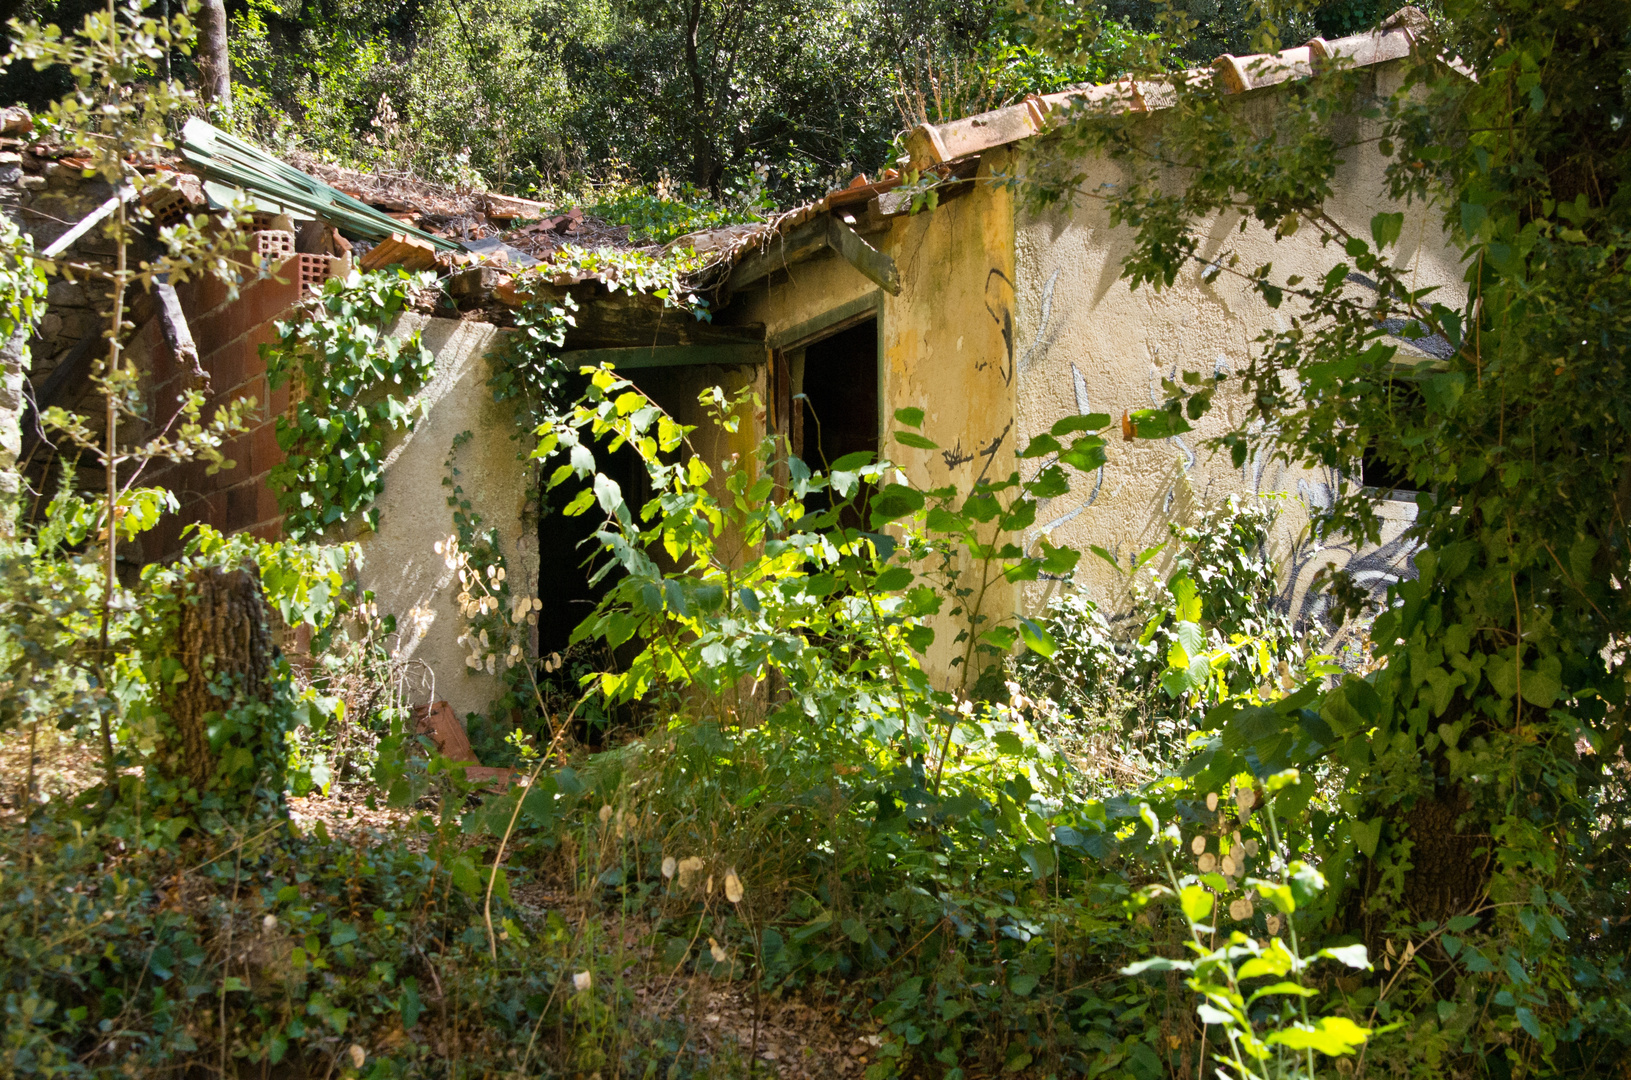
[353, 382]
[528, 369]
[530, 372]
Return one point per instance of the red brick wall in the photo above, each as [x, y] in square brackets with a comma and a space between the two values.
[229, 335]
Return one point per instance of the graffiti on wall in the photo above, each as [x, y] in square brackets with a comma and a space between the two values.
[1376, 568]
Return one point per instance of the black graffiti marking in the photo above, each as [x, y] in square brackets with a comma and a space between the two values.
[1003, 318]
[991, 450]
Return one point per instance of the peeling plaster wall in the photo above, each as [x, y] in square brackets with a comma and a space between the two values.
[952, 347]
[1094, 345]
[400, 564]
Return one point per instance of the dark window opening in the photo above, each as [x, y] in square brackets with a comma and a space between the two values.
[1385, 464]
[1385, 475]
[839, 413]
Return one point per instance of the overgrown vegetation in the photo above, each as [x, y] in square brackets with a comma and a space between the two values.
[1179, 845]
[723, 101]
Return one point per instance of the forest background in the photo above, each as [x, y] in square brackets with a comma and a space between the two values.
[749, 104]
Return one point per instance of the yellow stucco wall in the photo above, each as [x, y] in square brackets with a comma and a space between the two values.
[1091, 344]
[946, 343]
[1008, 321]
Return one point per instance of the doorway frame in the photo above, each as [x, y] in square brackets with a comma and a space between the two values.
[817, 328]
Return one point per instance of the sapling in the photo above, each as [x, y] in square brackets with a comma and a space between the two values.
[117, 119]
[1219, 973]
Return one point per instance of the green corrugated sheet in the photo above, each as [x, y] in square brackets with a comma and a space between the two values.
[231, 161]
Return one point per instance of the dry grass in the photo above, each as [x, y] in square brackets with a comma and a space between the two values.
[39, 765]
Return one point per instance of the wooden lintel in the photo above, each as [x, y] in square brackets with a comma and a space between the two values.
[779, 253]
[651, 356]
[873, 264]
[811, 239]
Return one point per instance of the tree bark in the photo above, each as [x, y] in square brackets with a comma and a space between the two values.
[702, 149]
[223, 639]
[214, 66]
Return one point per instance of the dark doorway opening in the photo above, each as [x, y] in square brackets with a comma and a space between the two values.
[567, 551]
[841, 395]
[839, 413]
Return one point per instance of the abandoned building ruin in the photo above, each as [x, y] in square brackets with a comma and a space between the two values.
[994, 320]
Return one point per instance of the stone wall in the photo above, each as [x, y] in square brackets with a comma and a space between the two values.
[45, 197]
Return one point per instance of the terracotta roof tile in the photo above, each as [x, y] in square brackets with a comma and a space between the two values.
[934, 144]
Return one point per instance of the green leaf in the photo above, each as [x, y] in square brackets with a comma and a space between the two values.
[893, 579]
[916, 441]
[1008, 743]
[584, 500]
[1275, 961]
[1331, 1035]
[894, 501]
[910, 417]
[1385, 228]
[1037, 639]
[1366, 834]
[1190, 637]
[1085, 454]
[1186, 599]
[1526, 1020]
[1197, 902]
[1276, 989]
[1001, 637]
[1041, 446]
[1543, 684]
[1069, 425]
[1274, 892]
[852, 461]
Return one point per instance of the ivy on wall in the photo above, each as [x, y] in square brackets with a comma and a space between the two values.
[528, 370]
[355, 382]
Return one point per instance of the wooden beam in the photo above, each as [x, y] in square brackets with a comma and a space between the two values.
[805, 241]
[873, 264]
[669, 356]
[809, 240]
[177, 335]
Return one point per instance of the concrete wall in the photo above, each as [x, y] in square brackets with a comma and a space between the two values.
[400, 564]
[1008, 321]
[1095, 345]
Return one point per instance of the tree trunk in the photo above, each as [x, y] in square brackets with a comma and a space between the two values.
[702, 148]
[222, 639]
[214, 66]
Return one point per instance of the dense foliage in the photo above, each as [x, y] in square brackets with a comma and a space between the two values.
[732, 100]
[1481, 768]
[1137, 848]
